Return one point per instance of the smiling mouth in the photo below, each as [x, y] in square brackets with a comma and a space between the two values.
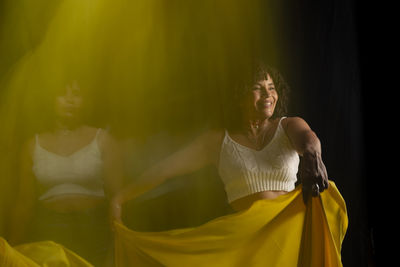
[266, 104]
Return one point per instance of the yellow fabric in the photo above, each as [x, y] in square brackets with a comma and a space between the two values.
[279, 232]
[39, 254]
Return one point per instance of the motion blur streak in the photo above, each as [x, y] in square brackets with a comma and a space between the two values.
[156, 72]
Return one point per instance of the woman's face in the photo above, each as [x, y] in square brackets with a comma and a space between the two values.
[261, 100]
[69, 102]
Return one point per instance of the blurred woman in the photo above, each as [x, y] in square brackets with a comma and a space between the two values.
[68, 174]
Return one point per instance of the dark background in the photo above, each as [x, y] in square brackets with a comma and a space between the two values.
[325, 41]
[336, 48]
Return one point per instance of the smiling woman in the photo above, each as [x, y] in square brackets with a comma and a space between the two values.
[257, 160]
[263, 98]
[260, 80]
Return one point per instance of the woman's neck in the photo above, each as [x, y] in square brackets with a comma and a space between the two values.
[255, 125]
[66, 126]
[257, 131]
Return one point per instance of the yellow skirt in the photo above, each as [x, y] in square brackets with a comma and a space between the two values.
[46, 254]
[278, 232]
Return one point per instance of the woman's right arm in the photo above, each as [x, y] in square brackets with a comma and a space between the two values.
[25, 198]
[203, 151]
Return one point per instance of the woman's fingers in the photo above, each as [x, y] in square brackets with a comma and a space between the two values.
[314, 176]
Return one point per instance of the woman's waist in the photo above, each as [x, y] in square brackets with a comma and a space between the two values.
[72, 202]
[246, 201]
[242, 185]
[71, 188]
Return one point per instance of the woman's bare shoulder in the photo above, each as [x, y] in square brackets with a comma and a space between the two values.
[293, 121]
[105, 139]
[214, 137]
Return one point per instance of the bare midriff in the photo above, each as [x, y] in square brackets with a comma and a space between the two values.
[72, 202]
[245, 202]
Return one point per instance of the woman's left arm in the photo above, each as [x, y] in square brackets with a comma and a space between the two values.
[112, 165]
[312, 170]
[114, 175]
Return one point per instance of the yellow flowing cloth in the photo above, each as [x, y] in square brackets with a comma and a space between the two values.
[45, 254]
[280, 232]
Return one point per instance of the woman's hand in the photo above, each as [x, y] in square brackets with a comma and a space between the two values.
[313, 175]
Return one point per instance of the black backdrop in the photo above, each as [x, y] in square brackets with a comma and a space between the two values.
[324, 41]
[326, 45]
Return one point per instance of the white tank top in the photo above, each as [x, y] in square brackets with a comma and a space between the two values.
[78, 173]
[246, 171]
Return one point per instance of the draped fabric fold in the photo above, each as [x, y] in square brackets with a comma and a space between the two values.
[36, 254]
[279, 232]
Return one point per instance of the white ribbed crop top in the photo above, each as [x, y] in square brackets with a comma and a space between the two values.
[78, 173]
[246, 171]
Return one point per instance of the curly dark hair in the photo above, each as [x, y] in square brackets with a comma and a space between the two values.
[244, 84]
